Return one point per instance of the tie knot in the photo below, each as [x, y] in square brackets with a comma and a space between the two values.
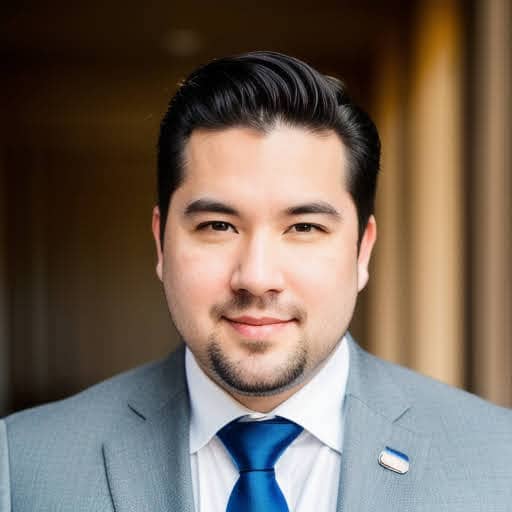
[257, 445]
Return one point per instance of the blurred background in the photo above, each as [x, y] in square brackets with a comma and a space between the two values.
[84, 87]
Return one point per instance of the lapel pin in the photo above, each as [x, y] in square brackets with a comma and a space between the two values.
[394, 460]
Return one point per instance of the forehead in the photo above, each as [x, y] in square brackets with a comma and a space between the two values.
[284, 163]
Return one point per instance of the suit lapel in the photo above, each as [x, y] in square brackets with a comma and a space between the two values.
[373, 410]
[147, 462]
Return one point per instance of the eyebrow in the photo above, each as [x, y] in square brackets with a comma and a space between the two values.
[318, 207]
[207, 205]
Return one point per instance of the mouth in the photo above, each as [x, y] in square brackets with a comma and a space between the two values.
[258, 328]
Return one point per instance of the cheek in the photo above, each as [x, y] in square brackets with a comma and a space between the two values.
[323, 272]
[326, 286]
[195, 277]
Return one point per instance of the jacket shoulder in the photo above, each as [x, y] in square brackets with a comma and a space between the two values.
[98, 410]
[58, 447]
[445, 409]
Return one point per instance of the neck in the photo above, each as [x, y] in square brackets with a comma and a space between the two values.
[265, 404]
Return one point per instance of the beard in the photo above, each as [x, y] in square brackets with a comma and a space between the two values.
[233, 375]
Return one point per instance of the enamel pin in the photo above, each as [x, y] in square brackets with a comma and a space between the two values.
[394, 460]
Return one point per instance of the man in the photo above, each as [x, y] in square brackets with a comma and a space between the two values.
[264, 230]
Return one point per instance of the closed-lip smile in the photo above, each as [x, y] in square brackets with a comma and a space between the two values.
[258, 327]
[250, 320]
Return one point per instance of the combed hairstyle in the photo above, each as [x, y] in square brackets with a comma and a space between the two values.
[260, 90]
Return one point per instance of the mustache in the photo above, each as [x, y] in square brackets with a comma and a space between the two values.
[242, 301]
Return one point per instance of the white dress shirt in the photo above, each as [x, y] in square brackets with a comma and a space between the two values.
[307, 472]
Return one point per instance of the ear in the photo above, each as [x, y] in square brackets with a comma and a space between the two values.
[155, 226]
[365, 252]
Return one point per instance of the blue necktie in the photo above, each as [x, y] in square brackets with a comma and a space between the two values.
[255, 447]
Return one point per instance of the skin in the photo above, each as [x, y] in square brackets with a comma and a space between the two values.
[279, 249]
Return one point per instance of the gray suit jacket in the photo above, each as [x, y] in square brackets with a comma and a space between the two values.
[123, 445]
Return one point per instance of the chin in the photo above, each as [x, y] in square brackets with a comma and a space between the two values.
[259, 372]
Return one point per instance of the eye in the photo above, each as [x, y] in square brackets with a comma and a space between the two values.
[216, 225]
[306, 227]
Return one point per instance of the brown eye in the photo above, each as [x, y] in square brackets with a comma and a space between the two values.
[219, 226]
[305, 227]
[216, 225]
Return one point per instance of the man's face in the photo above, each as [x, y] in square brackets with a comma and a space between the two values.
[261, 268]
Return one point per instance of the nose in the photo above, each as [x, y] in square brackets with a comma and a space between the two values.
[258, 268]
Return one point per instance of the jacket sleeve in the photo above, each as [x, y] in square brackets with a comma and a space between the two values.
[5, 494]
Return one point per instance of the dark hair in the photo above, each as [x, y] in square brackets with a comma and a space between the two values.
[259, 90]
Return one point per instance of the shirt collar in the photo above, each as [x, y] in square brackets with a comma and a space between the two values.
[212, 407]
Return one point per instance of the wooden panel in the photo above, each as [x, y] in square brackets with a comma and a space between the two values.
[492, 240]
[389, 286]
[435, 166]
